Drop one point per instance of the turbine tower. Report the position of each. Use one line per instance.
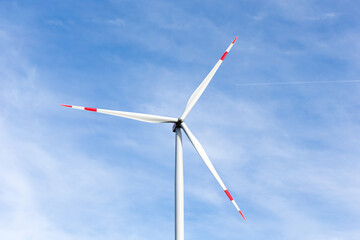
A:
(178, 125)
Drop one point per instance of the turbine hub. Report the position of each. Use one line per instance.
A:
(177, 125)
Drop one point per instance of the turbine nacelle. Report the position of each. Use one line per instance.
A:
(177, 124)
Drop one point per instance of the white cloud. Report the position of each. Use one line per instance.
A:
(289, 158)
(324, 16)
(116, 21)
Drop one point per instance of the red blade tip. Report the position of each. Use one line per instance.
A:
(242, 215)
(235, 39)
(65, 105)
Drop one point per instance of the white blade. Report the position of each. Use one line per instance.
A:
(199, 91)
(208, 163)
(136, 116)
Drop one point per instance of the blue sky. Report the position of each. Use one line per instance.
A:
(289, 154)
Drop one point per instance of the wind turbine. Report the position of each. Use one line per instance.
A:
(179, 123)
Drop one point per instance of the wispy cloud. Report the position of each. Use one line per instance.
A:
(55, 22)
(287, 153)
(324, 16)
(116, 21)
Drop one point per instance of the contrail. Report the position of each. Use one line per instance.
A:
(303, 82)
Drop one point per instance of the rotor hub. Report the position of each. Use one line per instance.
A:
(177, 125)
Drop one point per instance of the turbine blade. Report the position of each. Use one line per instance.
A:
(136, 116)
(208, 163)
(199, 91)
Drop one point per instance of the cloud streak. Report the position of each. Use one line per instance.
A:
(287, 153)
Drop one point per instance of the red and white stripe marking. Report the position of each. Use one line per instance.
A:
(80, 108)
(233, 201)
(228, 49)
(208, 163)
(199, 91)
(136, 116)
